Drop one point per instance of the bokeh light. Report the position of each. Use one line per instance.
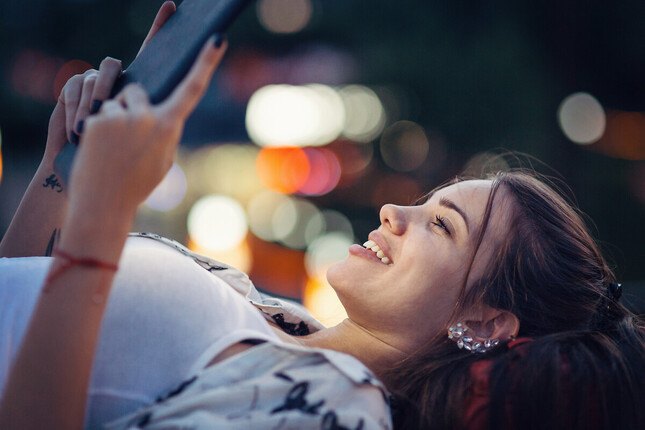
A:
(69, 69)
(483, 163)
(284, 170)
(404, 146)
(277, 269)
(227, 169)
(284, 16)
(33, 73)
(287, 115)
(295, 221)
(336, 222)
(325, 251)
(284, 219)
(170, 192)
(324, 172)
(353, 159)
(624, 136)
(217, 223)
(261, 209)
(323, 303)
(238, 256)
(365, 116)
(582, 118)
(315, 227)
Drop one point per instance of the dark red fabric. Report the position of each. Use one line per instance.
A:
(477, 401)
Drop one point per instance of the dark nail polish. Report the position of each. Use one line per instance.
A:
(79, 126)
(219, 40)
(96, 105)
(74, 138)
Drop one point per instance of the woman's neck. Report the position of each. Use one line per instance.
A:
(353, 339)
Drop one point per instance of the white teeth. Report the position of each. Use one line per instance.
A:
(370, 244)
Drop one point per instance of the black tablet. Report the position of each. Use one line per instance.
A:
(168, 57)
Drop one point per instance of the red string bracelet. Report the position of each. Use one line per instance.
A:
(70, 261)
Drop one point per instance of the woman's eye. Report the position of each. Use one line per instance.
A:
(439, 222)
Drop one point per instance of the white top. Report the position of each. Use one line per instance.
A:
(166, 318)
(272, 386)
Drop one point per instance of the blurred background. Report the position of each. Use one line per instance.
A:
(324, 110)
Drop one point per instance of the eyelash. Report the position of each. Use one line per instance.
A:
(440, 223)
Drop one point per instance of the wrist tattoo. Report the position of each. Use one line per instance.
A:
(52, 241)
(53, 183)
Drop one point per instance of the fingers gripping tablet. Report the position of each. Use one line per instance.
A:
(168, 56)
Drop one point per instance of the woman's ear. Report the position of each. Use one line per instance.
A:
(494, 324)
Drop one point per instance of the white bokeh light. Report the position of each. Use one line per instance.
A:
(404, 146)
(229, 169)
(307, 223)
(170, 192)
(582, 118)
(217, 223)
(287, 115)
(325, 251)
(284, 16)
(261, 209)
(284, 219)
(336, 222)
(365, 116)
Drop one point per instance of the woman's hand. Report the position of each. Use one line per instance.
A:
(84, 93)
(128, 147)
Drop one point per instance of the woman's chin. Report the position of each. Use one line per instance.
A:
(339, 274)
(333, 273)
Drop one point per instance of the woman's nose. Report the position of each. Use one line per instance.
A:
(394, 218)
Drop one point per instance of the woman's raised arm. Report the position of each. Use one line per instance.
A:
(36, 225)
(131, 145)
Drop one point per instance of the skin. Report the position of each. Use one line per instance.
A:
(395, 309)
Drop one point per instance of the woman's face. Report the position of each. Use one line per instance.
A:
(409, 299)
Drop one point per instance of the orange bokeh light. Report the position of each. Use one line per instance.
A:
(624, 136)
(276, 269)
(284, 170)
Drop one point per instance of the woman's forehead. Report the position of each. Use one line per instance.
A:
(472, 197)
(473, 193)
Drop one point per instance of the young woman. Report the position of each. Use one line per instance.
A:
(489, 305)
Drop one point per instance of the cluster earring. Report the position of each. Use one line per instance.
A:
(458, 334)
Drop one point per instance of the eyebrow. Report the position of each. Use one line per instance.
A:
(445, 202)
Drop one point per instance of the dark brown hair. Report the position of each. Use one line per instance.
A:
(585, 367)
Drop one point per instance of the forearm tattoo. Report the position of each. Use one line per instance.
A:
(52, 242)
(53, 183)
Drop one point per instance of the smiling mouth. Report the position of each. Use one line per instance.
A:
(372, 246)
